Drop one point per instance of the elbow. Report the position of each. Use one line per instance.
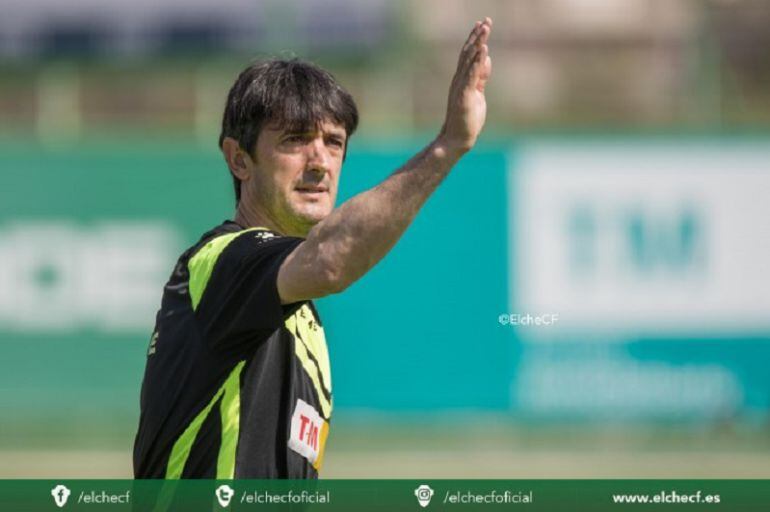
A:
(335, 279)
(337, 274)
(338, 261)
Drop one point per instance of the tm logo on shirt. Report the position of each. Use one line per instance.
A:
(308, 433)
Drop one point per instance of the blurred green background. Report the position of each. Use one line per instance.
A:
(585, 295)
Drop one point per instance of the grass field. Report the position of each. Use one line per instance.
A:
(365, 449)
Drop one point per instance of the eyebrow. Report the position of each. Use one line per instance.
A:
(342, 134)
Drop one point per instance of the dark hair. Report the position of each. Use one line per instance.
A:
(294, 94)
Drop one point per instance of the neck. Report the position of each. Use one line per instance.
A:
(249, 217)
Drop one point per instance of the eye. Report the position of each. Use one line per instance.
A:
(295, 138)
(335, 142)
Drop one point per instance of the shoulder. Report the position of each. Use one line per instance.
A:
(231, 247)
(230, 239)
(235, 247)
(256, 242)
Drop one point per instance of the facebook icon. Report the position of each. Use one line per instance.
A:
(60, 495)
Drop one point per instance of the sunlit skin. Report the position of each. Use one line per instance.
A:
(290, 184)
(354, 237)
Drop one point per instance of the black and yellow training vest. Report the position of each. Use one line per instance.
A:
(236, 384)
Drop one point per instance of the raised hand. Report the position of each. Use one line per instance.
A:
(467, 106)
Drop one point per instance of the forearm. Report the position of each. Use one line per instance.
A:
(354, 237)
(362, 230)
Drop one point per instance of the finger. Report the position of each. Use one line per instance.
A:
(473, 54)
(486, 31)
(478, 61)
(470, 51)
(475, 31)
(479, 70)
(466, 53)
(471, 37)
(482, 69)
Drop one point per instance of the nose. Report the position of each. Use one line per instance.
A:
(318, 158)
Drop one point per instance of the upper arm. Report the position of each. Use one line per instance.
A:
(240, 298)
(307, 273)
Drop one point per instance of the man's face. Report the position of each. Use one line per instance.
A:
(295, 175)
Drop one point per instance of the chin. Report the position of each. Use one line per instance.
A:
(316, 217)
(312, 216)
(314, 212)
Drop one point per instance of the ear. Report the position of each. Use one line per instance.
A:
(237, 159)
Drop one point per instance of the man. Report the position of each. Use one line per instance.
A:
(237, 383)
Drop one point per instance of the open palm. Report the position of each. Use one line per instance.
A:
(467, 105)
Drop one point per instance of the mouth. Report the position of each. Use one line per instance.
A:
(311, 189)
